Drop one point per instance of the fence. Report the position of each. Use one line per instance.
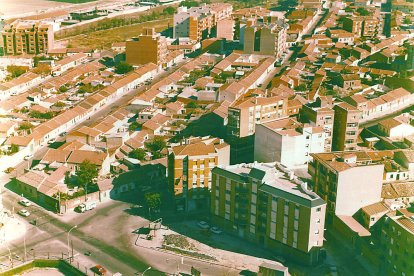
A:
(13, 264)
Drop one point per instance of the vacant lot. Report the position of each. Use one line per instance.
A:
(104, 39)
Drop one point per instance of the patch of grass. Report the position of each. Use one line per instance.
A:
(178, 241)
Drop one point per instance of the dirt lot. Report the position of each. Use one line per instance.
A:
(104, 39)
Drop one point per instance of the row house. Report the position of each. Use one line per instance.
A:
(19, 85)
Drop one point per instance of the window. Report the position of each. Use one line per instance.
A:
(318, 209)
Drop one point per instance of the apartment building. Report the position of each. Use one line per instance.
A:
(347, 181)
(189, 169)
(27, 37)
(288, 142)
(367, 26)
(265, 38)
(197, 23)
(148, 47)
(345, 131)
(269, 206)
(250, 110)
(320, 114)
(397, 240)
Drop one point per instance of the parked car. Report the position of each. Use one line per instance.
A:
(51, 141)
(29, 156)
(203, 225)
(24, 213)
(98, 269)
(63, 134)
(216, 230)
(25, 202)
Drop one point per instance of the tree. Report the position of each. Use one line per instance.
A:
(192, 105)
(14, 148)
(138, 154)
(189, 4)
(362, 12)
(63, 89)
(407, 21)
(153, 200)
(133, 126)
(59, 104)
(25, 126)
(123, 68)
(16, 71)
(86, 173)
(156, 145)
(169, 10)
(42, 69)
(301, 87)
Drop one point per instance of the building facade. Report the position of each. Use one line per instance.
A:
(148, 47)
(288, 142)
(347, 181)
(189, 170)
(27, 37)
(198, 23)
(265, 39)
(345, 131)
(258, 202)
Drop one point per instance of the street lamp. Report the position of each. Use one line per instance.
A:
(68, 238)
(146, 270)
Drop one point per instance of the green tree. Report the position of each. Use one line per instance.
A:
(59, 104)
(156, 145)
(362, 11)
(407, 21)
(123, 68)
(169, 10)
(192, 104)
(86, 173)
(15, 71)
(63, 89)
(153, 200)
(138, 154)
(301, 87)
(133, 126)
(14, 148)
(25, 126)
(189, 4)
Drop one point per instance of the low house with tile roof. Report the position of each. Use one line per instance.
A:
(396, 128)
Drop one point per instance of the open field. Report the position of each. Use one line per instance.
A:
(74, 1)
(105, 38)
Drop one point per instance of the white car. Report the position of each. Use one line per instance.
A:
(29, 156)
(51, 141)
(216, 230)
(25, 202)
(203, 225)
(24, 213)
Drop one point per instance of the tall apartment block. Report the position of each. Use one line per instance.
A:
(346, 123)
(197, 23)
(397, 243)
(347, 181)
(367, 26)
(248, 111)
(265, 38)
(263, 204)
(287, 141)
(150, 46)
(189, 169)
(320, 114)
(27, 37)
